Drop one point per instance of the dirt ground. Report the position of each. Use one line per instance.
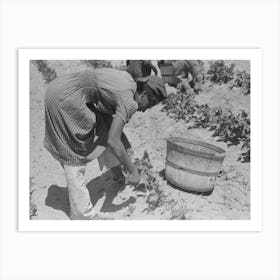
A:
(146, 131)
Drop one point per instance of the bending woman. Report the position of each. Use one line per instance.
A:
(85, 114)
(194, 68)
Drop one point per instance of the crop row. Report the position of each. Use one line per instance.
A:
(226, 126)
(220, 73)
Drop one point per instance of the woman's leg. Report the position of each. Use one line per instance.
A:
(80, 204)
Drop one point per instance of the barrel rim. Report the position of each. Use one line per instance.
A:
(220, 153)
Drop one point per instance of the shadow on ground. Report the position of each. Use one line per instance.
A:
(98, 187)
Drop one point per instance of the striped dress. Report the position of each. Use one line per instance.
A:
(79, 109)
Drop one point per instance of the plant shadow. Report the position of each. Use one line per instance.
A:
(103, 185)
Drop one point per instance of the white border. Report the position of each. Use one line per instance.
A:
(254, 224)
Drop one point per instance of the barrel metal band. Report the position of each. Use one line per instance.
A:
(196, 172)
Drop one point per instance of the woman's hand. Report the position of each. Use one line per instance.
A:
(133, 178)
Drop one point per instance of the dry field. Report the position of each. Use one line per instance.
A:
(154, 198)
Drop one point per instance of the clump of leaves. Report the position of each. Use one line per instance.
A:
(48, 73)
(202, 116)
(149, 183)
(231, 128)
(98, 63)
(242, 79)
(144, 167)
(179, 106)
(245, 155)
(32, 206)
(220, 73)
(179, 211)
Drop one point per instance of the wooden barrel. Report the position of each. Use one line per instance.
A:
(193, 165)
(168, 74)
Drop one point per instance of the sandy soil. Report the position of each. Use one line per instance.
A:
(146, 131)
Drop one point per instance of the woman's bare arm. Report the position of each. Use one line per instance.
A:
(114, 142)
